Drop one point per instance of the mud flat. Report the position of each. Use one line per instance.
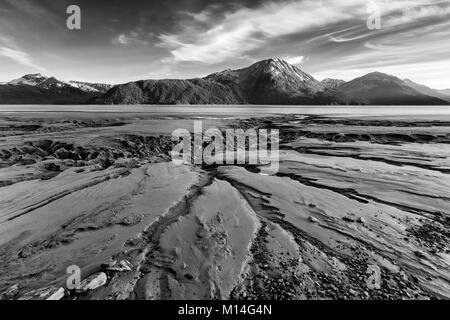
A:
(359, 209)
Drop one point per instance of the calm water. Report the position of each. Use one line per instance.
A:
(225, 110)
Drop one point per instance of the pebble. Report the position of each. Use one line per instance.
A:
(313, 220)
(46, 293)
(58, 295)
(419, 254)
(93, 282)
(118, 266)
(10, 293)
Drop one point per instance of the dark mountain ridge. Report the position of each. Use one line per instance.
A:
(39, 89)
(332, 83)
(428, 91)
(272, 81)
(378, 88)
(192, 91)
(267, 82)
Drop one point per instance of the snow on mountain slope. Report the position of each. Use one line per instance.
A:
(41, 81)
(90, 87)
(30, 80)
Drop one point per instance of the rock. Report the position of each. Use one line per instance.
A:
(361, 220)
(125, 265)
(118, 266)
(132, 242)
(58, 295)
(93, 282)
(132, 220)
(420, 254)
(105, 161)
(62, 153)
(313, 220)
(189, 276)
(127, 163)
(26, 161)
(42, 144)
(10, 293)
(47, 293)
(373, 280)
(51, 166)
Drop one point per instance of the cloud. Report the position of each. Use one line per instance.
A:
(245, 29)
(35, 10)
(235, 33)
(341, 39)
(16, 55)
(412, 14)
(123, 39)
(295, 60)
(20, 57)
(135, 37)
(9, 50)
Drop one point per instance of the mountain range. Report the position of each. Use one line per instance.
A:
(445, 91)
(441, 94)
(39, 89)
(378, 88)
(271, 81)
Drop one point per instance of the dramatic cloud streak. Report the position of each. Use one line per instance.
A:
(179, 39)
(243, 30)
(9, 50)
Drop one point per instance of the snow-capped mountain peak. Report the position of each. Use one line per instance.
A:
(90, 87)
(274, 81)
(39, 80)
(281, 68)
(30, 80)
(42, 81)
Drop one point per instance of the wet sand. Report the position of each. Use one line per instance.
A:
(358, 210)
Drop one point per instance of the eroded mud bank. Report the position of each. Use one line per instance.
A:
(359, 209)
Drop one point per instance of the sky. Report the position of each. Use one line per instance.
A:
(123, 41)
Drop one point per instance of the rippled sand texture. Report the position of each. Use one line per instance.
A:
(358, 210)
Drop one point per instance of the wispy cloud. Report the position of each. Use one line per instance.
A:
(342, 39)
(30, 8)
(295, 60)
(242, 30)
(245, 29)
(9, 50)
(417, 12)
(135, 37)
(125, 40)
